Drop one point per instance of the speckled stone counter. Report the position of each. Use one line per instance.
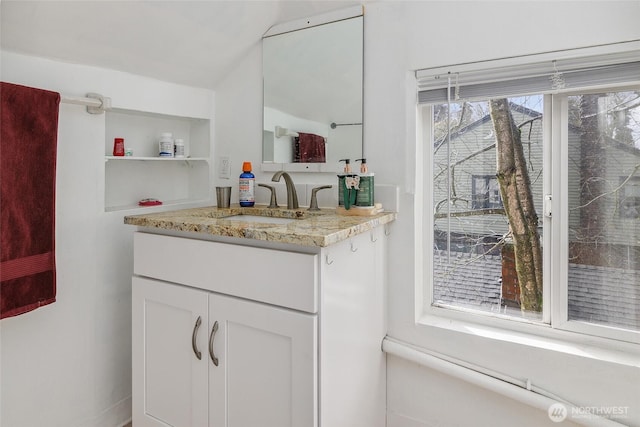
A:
(306, 228)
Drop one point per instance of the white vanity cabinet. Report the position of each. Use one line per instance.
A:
(170, 386)
(265, 358)
(241, 336)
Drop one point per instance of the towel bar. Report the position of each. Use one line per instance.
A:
(96, 103)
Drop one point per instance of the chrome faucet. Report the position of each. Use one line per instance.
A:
(292, 196)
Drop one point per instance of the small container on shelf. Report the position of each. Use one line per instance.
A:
(178, 149)
(165, 145)
(118, 146)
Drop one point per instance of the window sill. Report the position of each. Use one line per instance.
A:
(537, 336)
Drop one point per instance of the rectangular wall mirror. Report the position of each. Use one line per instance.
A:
(313, 95)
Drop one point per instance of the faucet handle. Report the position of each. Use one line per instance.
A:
(313, 205)
(274, 202)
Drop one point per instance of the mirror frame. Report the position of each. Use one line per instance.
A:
(300, 24)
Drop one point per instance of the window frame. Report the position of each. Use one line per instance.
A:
(555, 321)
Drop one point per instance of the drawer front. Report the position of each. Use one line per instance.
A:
(287, 279)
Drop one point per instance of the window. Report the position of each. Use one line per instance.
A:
(604, 249)
(473, 261)
(518, 155)
(629, 203)
(485, 192)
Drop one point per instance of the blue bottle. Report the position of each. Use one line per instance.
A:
(247, 185)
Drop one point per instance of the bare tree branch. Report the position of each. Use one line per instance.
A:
(475, 212)
(454, 199)
(487, 148)
(615, 190)
(493, 247)
(470, 156)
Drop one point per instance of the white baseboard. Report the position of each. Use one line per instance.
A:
(399, 420)
(118, 415)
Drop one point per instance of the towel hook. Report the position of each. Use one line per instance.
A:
(387, 231)
(373, 237)
(326, 258)
(353, 248)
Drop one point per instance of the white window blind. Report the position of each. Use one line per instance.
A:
(516, 76)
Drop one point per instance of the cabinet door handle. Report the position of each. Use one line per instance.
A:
(212, 337)
(193, 338)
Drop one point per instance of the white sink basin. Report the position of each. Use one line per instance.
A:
(258, 218)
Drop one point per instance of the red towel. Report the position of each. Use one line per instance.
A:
(28, 140)
(309, 148)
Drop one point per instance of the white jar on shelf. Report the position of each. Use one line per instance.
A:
(165, 145)
(178, 148)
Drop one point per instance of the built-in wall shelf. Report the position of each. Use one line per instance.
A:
(162, 159)
(176, 181)
(135, 209)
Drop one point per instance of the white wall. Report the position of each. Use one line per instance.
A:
(69, 363)
(401, 37)
(438, 34)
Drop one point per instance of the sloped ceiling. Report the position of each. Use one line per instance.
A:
(196, 43)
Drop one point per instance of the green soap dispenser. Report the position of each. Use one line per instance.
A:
(341, 180)
(366, 196)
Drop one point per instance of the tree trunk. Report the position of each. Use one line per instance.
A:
(592, 183)
(515, 189)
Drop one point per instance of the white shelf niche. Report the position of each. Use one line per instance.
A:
(174, 181)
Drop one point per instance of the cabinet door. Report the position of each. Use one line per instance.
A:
(169, 381)
(267, 365)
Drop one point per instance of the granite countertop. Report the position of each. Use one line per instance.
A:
(321, 228)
